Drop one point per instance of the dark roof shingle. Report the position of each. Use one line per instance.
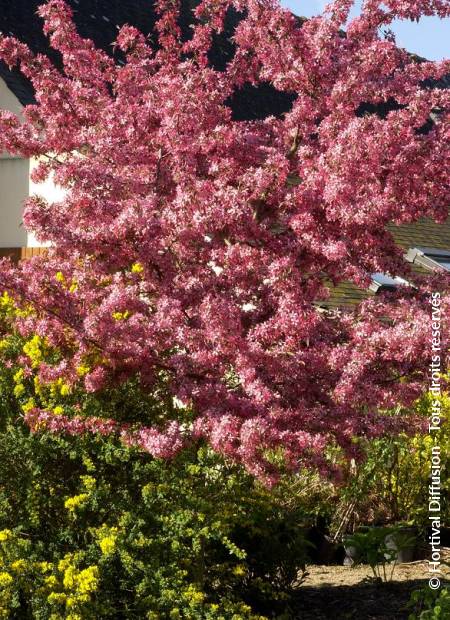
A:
(99, 20)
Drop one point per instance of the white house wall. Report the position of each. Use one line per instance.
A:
(8, 100)
(14, 183)
(16, 186)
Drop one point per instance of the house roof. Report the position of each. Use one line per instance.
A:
(100, 20)
(425, 232)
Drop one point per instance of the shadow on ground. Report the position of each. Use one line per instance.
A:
(362, 601)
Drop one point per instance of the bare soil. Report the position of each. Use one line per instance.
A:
(348, 593)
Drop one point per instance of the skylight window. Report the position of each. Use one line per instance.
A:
(383, 282)
(431, 258)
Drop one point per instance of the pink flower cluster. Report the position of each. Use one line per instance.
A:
(45, 420)
(159, 444)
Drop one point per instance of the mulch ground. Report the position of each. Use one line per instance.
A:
(344, 593)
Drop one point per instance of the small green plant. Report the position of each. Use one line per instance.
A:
(378, 547)
(428, 604)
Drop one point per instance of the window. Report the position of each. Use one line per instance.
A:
(383, 282)
(431, 258)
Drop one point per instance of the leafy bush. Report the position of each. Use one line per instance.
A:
(390, 483)
(100, 530)
(428, 604)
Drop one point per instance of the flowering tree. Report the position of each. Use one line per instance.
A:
(193, 249)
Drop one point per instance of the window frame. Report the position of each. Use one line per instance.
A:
(379, 286)
(425, 257)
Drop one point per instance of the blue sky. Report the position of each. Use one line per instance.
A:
(429, 38)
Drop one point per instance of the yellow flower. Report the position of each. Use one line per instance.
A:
(30, 404)
(137, 268)
(82, 598)
(87, 580)
(37, 386)
(45, 566)
(239, 570)
(58, 410)
(19, 566)
(107, 539)
(108, 545)
(65, 389)
(72, 503)
(71, 602)
(51, 581)
(88, 463)
(69, 577)
(59, 387)
(18, 376)
(33, 349)
(82, 370)
(6, 300)
(194, 596)
(5, 580)
(56, 597)
(5, 535)
(19, 390)
(65, 562)
(89, 482)
(121, 316)
(59, 277)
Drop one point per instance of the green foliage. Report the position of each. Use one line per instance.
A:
(428, 604)
(390, 483)
(195, 535)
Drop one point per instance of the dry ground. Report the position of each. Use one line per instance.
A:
(343, 592)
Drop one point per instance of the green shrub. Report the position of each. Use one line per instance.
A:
(428, 604)
(195, 535)
(378, 547)
(390, 483)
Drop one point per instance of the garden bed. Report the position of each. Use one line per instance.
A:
(344, 593)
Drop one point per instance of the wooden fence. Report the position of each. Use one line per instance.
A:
(21, 253)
